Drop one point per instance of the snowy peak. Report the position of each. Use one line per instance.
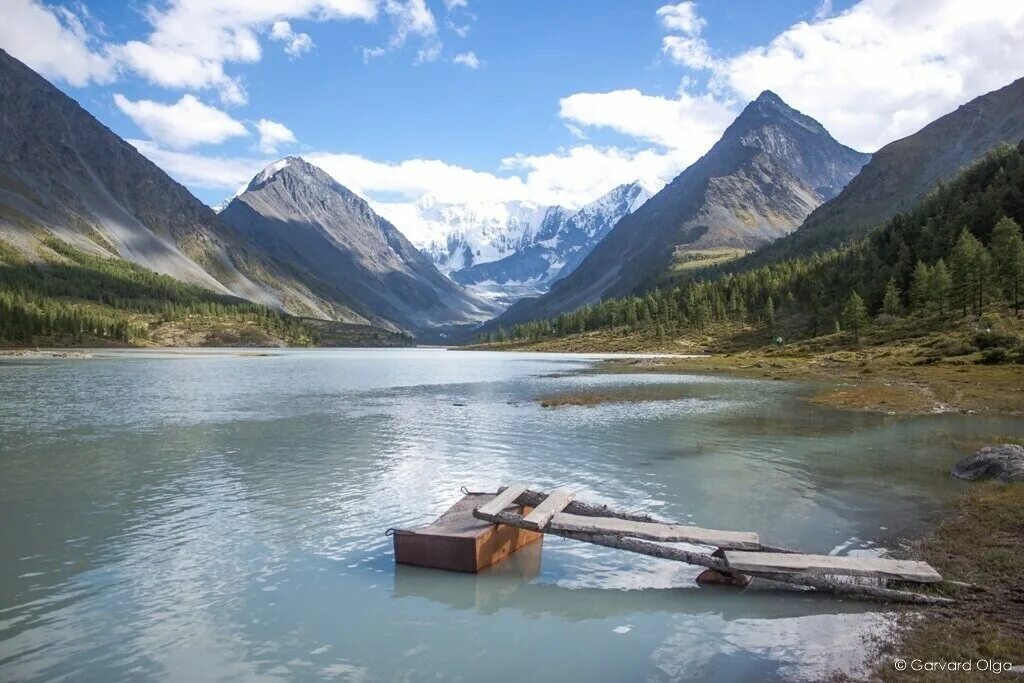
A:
(561, 240)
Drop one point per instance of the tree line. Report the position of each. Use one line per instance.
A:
(76, 295)
(960, 251)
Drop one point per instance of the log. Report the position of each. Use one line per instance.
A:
(855, 589)
(653, 531)
(613, 541)
(533, 498)
(548, 508)
(875, 567)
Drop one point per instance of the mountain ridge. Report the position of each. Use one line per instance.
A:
(300, 214)
(903, 172)
(772, 166)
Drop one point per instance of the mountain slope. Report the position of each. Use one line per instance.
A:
(903, 172)
(769, 170)
(63, 173)
(555, 249)
(300, 215)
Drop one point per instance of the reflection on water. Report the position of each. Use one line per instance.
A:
(218, 516)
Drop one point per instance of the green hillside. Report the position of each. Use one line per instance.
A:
(958, 254)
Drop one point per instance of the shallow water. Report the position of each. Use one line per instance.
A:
(215, 515)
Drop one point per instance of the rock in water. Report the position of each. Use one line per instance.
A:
(1002, 463)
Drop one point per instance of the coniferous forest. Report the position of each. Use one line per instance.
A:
(959, 253)
(74, 297)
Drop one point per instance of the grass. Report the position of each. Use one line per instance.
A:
(903, 366)
(687, 261)
(634, 394)
(979, 543)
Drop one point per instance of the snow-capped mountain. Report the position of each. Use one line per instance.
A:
(521, 252)
(463, 235)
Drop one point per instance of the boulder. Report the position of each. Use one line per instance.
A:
(1002, 463)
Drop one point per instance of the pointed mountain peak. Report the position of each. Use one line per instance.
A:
(272, 169)
(768, 97)
(769, 108)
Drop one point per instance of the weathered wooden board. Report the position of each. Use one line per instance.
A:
(458, 541)
(780, 563)
(653, 531)
(503, 499)
(548, 508)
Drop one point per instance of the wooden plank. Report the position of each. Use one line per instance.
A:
(548, 508)
(503, 499)
(653, 531)
(779, 563)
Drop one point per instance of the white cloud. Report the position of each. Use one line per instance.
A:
(455, 4)
(682, 18)
(468, 60)
(884, 68)
(198, 170)
(689, 124)
(684, 44)
(54, 43)
(186, 123)
(273, 135)
(295, 44)
(412, 17)
(688, 51)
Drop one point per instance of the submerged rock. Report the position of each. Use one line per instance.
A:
(1003, 463)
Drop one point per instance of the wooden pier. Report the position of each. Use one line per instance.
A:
(735, 558)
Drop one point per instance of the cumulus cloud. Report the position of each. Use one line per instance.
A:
(198, 170)
(883, 68)
(273, 135)
(468, 60)
(682, 18)
(295, 44)
(687, 123)
(186, 123)
(684, 45)
(55, 43)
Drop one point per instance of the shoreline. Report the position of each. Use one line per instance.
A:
(979, 541)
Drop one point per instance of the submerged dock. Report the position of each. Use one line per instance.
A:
(490, 526)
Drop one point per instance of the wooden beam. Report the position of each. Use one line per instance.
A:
(719, 564)
(655, 531)
(578, 507)
(779, 563)
(502, 500)
(542, 514)
(820, 583)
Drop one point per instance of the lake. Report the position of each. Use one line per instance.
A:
(220, 515)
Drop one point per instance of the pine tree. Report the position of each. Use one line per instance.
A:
(940, 286)
(965, 263)
(769, 313)
(855, 315)
(920, 285)
(891, 300)
(1008, 254)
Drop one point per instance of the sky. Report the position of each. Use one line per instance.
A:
(462, 101)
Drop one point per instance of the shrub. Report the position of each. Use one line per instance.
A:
(993, 339)
(994, 356)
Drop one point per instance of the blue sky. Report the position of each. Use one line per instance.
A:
(497, 100)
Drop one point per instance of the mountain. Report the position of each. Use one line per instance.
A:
(468, 234)
(903, 172)
(64, 174)
(770, 169)
(559, 244)
(300, 215)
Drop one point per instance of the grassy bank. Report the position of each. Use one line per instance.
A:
(903, 366)
(980, 542)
